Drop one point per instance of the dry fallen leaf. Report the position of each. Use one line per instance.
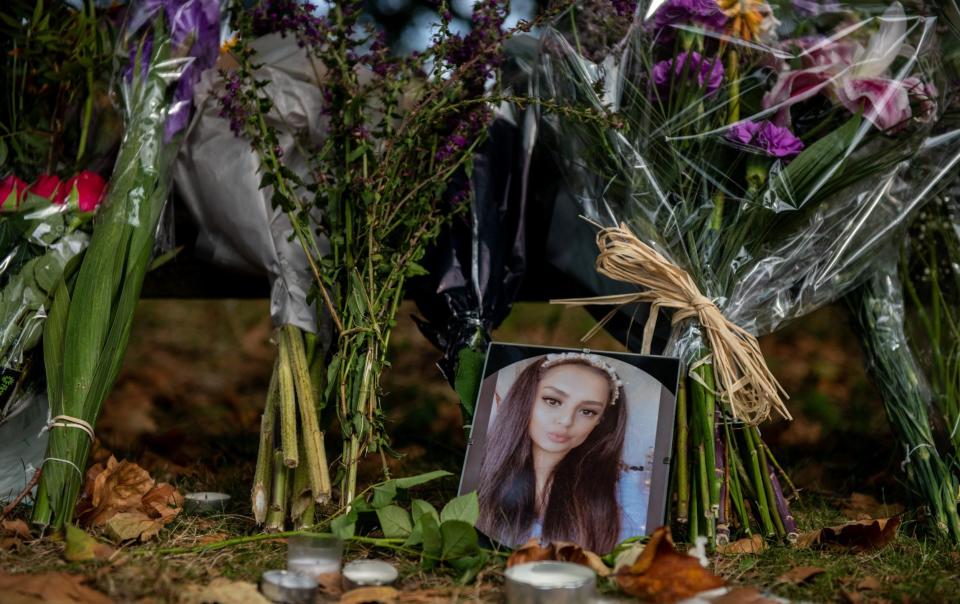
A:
(123, 497)
(132, 525)
(869, 584)
(852, 597)
(561, 551)
(373, 595)
(80, 546)
(662, 574)
(48, 588)
(223, 591)
(858, 536)
(16, 528)
(800, 574)
(747, 545)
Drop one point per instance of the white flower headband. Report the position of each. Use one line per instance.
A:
(560, 358)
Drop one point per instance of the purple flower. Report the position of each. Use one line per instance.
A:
(709, 74)
(766, 136)
(743, 132)
(699, 12)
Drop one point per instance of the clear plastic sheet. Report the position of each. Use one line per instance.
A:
(218, 177)
(766, 158)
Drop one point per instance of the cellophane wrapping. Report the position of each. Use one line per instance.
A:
(761, 147)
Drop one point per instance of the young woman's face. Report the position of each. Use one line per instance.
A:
(568, 405)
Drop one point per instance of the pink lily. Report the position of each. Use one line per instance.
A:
(856, 77)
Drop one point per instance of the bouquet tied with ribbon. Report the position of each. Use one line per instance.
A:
(752, 164)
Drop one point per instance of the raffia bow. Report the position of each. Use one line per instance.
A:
(743, 379)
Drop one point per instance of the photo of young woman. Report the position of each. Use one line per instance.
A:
(565, 454)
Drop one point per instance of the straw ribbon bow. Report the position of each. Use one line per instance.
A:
(743, 379)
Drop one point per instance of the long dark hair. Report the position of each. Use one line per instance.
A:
(581, 504)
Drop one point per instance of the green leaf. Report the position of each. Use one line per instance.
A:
(395, 522)
(345, 526)
(469, 566)
(432, 542)
(459, 539)
(469, 376)
(384, 494)
(412, 481)
(465, 508)
(419, 507)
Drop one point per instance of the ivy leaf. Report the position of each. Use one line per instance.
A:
(345, 526)
(395, 522)
(459, 539)
(465, 508)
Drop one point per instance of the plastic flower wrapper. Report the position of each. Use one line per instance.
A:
(477, 265)
(170, 42)
(750, 171)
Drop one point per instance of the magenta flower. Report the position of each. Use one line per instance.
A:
(89, 188)
(709, 74)
(767, 137)
(883, 102)
(678, 12)
(49, 187)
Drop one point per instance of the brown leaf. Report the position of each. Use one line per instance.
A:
(80, 546)
(561, 551)
(114, 488)
(865, 507)
(800, 574)
(223, 591)
(378, 595)
(852, 597)
(662, 574)
(747, 545)
(132, 525)
(858, 536)
(869, 584)
(163, 502)
(11, 544)
(50, 588)
(16, 528)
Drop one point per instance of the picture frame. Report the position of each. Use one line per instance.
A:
(552, 457)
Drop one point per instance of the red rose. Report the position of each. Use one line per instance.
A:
(49, 187)
(89, 187)
(12, 188)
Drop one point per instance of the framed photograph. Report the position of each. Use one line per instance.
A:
(571, 445)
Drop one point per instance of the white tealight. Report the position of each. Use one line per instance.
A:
(205, 502)
(363, 573)
(315, 567)
(550, 582)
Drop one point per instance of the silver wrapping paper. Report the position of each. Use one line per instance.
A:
(217, 175)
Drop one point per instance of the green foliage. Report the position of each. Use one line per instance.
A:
(448, 538)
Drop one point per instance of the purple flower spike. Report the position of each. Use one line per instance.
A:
(709, 73)
(678, 12)
(766, 136)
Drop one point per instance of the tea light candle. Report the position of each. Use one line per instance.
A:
(318, 557)
(205, 502)
(288, 587)
(364, 573)
(550, 582)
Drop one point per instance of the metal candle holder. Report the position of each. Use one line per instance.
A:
(288, 587)
(548, 582)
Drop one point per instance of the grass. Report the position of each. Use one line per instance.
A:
(201, 386)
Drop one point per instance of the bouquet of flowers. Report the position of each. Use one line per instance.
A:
(170, 43)
(752, 167)
(40, 234)
(397, 129)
